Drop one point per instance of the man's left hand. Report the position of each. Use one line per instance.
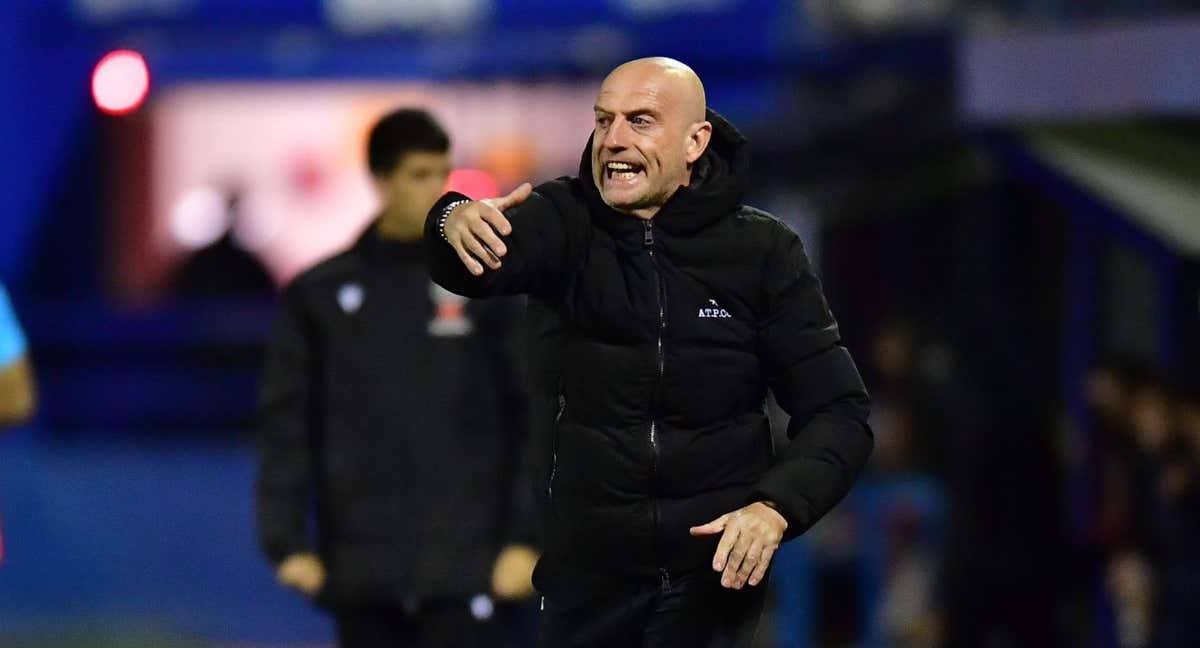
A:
(751, 536)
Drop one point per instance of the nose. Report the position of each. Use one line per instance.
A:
(615, 138)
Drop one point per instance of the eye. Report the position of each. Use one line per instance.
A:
(602, 121)
(640, 120)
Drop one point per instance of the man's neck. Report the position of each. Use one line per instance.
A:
(645, 213)
(649, 212)
(392, 227)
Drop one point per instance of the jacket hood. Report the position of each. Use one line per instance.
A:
(719, 180)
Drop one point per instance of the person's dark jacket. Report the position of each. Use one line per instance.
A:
(395, 415)
(672, 330)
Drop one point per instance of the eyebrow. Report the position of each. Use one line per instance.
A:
(633, 113)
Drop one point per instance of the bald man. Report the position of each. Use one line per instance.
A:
(674, 307)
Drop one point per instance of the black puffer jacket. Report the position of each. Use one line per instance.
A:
(672, 330)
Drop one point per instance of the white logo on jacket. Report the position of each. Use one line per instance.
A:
(350, 297)
(450, 313)
(716, 311)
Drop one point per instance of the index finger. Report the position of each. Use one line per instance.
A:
(496, 219)
(727, 540)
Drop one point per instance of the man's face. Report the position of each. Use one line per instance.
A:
(417, 181)
(642, 145)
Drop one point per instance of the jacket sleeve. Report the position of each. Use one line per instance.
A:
(814, 379)
(285, 430)
(537, 257)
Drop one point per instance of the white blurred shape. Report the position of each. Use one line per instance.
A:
(482, 607)
(378, 15)
(350, 297)
(107, 10)
(875, 14)
(659, 7)
(199, 218)
(256, 227)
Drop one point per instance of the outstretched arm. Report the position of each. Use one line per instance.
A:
(510, 245)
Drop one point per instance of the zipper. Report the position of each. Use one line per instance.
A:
(562, 406)
(648, 243)
(666, 579)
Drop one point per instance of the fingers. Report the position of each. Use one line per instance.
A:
(484, 233)
(496, 219)
(750, 561)
(716, 526)
(747, 546)
(760, 571)
(722, 557)
(470, 250)
(514, 197)
(472, 231)
(468, 261)
(480, 251)
(734, 570)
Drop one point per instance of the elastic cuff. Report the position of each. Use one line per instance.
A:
(441, 221)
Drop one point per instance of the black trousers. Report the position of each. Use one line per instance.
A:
(691, 611)
(434, 624)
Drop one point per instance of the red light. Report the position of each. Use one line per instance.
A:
(120, 82)
(472, 182)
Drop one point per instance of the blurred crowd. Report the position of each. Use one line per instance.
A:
(882, 567)
(1146, 520)
(915, 415)
(1139, 462)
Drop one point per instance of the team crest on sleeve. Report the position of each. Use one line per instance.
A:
(450, 317)
(713, 310)
(350, 297)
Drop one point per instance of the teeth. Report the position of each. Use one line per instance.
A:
(620, 166)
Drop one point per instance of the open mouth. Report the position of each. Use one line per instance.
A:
(622, 171)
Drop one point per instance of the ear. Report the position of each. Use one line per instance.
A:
(697, 140)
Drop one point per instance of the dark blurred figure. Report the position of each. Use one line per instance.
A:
(1147, 523)
(912, 613)
(1179, 584)
(420, 517)
(1168, 494)
(916, 417)
(988, 587)
(1106, 391)
(917, 375)
(224, 268)
(1134, 463)
(17, 393)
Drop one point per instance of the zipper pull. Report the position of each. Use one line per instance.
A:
(648, 237)
(666, 579)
